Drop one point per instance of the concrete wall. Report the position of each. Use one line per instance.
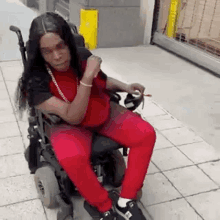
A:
(119, 21)
(146, 16)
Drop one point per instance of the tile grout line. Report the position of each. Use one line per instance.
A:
(9, 136)
(197, 165)
(164, 148)
(8, 155)
(159, 203)
(193, 208)
(8, 61)
(211, 190)
(172, 200)
(14, 203)
(45, 213)
(182, 195)
(24, 174)
(177, 168)
(165, 137)
(145, 209)
(156, 166)
(208, 176)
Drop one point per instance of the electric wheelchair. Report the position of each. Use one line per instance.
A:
(53, 185)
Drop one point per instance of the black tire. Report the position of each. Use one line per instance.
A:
(115, 169)
(47, 186)
(26, 154)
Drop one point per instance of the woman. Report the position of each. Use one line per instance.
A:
(63, 80)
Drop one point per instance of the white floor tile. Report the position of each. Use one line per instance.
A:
(190, 180)
(5, 107)
(2, 85)
(9, 129)
(158, 189)
(17, 189)
(12, 73)
(206, 204)
(12, 145)
(175, 210)
(23, 211)
(7, 117)
(4, 95)
(200, 152)
(163, 122)
(212, 169)
(179, 136)
(152, 110)
(170, 158)
(161, 142)
(13, 165)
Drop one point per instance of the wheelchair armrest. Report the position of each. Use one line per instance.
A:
(115, 97)
(54, 119)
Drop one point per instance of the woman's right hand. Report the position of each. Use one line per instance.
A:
(93, 66)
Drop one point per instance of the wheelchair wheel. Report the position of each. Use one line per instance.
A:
(115, 169)
(47, 186)
(26, 154)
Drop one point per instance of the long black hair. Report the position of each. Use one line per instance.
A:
(47, 22)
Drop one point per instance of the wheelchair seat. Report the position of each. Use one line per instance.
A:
(100, 143)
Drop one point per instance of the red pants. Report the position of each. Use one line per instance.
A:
(72, 145)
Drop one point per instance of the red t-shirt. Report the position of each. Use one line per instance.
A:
(98, 107)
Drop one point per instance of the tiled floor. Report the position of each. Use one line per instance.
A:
(182, 181)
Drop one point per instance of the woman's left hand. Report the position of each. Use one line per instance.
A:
(135, 86)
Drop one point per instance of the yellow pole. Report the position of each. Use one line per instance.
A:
(173, 16)
(89, 27)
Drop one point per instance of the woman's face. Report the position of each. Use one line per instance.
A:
(55, 51)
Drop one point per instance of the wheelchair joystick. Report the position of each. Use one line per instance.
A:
(131, 102)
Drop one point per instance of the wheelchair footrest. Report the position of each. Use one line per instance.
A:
(93, 212)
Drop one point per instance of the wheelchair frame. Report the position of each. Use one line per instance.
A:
(37, 119)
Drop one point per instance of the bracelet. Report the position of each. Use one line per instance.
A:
(85, 84)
